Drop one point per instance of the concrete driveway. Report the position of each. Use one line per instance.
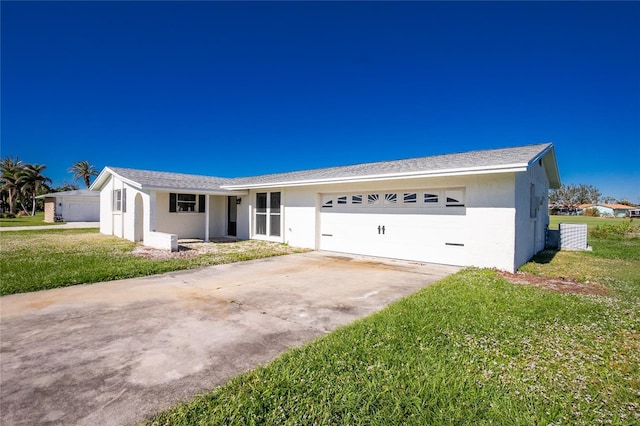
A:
(115, 353)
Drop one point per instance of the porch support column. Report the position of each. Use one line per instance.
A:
(206, 216)
(151, 211)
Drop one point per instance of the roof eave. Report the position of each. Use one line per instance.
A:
(394, 176)
(103, 177)
(194, 190)
(548, 157)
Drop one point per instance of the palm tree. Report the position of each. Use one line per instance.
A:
(83, 170)
(9, 175)
(32, 180)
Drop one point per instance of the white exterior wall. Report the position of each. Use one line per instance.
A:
(121, 223)
(128, 214)
(490, 231)
(243, 218)
(531, 231)
(106, 221)
(486, 227)
(184, 224)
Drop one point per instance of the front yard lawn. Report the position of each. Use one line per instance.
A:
(37, 220)
(43, 259)
(472, 349)
(591, 222)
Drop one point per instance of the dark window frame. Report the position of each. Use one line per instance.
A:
(198, 202)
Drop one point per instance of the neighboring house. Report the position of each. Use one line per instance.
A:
(608, 210)
(483, 208)
(81, 205)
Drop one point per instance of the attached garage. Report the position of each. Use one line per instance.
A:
(480, 208)
(422, 224)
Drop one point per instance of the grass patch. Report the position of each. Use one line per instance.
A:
(591, 222)
(470, 349)
(44, 259)
(37, 220)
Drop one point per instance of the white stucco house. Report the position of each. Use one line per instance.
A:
(80, 205)
(482, 208)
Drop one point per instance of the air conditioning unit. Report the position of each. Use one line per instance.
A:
(573, 236)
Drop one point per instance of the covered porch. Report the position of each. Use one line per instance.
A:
(174, 216)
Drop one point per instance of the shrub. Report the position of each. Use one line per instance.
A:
(22, 213)
(10, 216)
(618, 230)
(1, 215)
(592, 212)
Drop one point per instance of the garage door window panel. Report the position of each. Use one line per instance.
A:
(327, 202)
(424, 201)
(431, 198)
(391, 198)
(410, 198)
(454, 197)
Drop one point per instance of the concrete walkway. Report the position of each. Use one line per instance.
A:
(68, 225)
(116, 353)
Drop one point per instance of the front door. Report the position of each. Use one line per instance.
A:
(232, 214)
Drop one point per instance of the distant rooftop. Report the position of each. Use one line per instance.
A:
(74, 193)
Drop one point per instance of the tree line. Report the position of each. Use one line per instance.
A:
(570, 197)
(21, 183)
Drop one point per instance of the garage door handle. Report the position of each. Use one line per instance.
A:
(379, 229)
(382, 229)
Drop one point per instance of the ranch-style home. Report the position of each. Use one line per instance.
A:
(482, 208)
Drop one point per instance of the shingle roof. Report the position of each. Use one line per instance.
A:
(484, 161)
(466, 161)
(73, 193)
(168, 180)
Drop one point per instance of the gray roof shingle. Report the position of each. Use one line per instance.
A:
(484, 160)
(151, 179)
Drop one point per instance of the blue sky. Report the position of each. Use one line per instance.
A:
(237, 89)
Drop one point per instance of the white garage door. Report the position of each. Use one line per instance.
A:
(81, 211)
(425, 225)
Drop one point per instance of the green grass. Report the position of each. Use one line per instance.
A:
(472, 349)
(44, 259)
(590, 221)
(37, 220)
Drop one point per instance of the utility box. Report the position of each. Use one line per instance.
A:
(573, 236)
(553, 239)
